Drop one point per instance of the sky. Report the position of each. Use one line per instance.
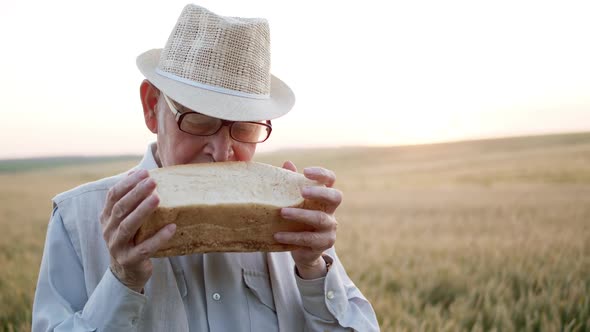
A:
(368, 72)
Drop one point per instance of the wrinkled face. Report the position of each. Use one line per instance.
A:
(176, 147)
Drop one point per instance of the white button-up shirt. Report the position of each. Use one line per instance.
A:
(257, 291)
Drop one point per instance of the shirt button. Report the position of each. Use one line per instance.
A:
(330, 295)
(216, 296)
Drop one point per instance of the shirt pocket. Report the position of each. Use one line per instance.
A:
(261, 306)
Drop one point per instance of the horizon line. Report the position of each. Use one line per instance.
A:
(309, 148)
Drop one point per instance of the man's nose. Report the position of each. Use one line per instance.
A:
(222, 145)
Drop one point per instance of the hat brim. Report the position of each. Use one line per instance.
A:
(217, 104)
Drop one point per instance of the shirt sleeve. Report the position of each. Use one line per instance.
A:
(61, 302)
(334, 303)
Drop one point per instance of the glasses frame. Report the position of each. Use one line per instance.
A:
(179, 116)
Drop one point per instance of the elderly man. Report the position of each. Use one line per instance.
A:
(209, 97)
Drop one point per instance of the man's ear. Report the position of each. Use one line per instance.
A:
(149, 98)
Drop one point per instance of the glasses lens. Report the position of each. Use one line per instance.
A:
(199, 124)
(250, 132)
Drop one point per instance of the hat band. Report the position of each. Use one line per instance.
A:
(212, 87)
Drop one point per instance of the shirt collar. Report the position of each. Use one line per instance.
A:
(148, 162)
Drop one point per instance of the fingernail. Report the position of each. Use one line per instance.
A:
(313, 172)
(150, 183)
(154, 198)
(279, 237)
(305, 191)
(171, 228)
(286, 212)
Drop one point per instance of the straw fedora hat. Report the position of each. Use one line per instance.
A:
(218, 66)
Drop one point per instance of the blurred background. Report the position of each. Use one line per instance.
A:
(459, 131)
(369, 73)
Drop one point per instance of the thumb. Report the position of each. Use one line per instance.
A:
(290, 166)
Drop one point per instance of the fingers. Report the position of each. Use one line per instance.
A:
(322, 175)
(316, 241)
(147, 248)
(317, 219)
(128, 203)
(330, 197)
(129, 226)
(290, 166)
(313, 243)
(121, 189)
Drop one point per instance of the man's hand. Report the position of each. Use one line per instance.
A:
(128, 204)
(308, 258)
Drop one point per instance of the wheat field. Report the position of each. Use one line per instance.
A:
(490, 235)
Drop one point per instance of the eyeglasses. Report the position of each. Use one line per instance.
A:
(203, 125)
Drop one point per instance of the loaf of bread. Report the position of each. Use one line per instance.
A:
(225, 207)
